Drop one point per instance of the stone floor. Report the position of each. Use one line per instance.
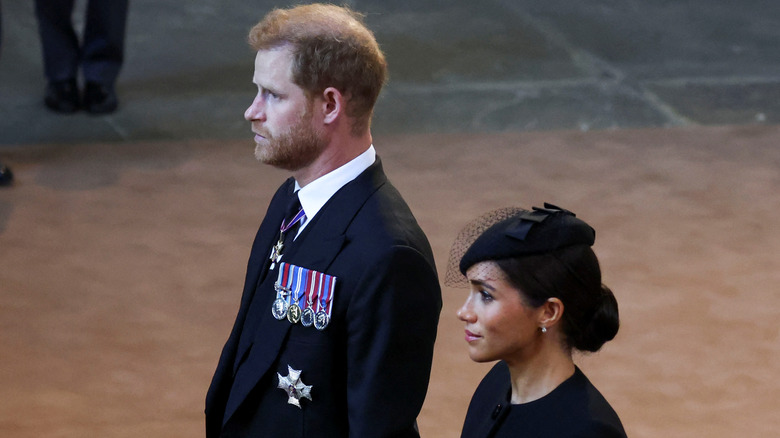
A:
(122, 268)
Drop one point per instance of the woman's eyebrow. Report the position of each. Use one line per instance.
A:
(481, 283)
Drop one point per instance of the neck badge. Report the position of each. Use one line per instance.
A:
(276, 250)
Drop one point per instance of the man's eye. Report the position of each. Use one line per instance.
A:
(267, 94)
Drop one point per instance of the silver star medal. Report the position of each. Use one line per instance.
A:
(294, 387)
(276, 252)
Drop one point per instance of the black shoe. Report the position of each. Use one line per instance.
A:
(62, 96)
(6, 177)
(100, 98)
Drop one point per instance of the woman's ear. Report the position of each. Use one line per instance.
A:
(332, 104)
(551, 312)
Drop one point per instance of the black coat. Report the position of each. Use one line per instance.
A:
(369, 368)
(575, 409)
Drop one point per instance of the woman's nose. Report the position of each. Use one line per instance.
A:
(464, 313)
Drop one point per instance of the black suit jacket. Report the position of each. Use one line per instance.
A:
(369, 368)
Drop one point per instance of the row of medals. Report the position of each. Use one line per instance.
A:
(281, 309)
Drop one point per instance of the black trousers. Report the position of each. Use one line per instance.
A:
(101, 52)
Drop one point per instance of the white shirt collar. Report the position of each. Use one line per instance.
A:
(319, 191)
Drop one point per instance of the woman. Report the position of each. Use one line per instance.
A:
(535, 296)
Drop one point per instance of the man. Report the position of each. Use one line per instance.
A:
(99, 56)
(335, 331)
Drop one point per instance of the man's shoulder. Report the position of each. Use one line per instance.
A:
(376, 215)
(387, 212)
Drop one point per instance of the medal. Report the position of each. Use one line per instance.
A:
(294, 310)
(294, 387)
(312, 292)
(307, 317)
(294, 313)
(325, 303)
(303, 295)
(281, 303)
(279, 308)
(321, 320)
(276, 251)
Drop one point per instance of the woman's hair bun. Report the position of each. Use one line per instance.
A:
(603, 325)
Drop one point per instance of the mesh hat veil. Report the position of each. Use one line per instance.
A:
(514, 232)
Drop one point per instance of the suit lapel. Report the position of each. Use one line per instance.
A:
(257, 270)
(268, 237)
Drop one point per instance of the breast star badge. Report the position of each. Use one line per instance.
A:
(294, 387)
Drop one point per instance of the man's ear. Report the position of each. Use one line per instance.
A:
(333, 105)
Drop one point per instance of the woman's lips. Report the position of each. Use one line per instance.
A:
(471, 336)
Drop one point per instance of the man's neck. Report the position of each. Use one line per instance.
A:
(335, 155)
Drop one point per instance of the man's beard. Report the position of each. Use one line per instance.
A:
(294, 149)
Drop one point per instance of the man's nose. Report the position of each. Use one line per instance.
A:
(255, 111)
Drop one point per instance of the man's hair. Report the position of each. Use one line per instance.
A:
(331, 47)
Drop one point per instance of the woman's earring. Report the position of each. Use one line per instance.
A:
(544, 329)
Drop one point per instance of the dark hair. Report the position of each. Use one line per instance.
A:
(572, 274)
(331, 47)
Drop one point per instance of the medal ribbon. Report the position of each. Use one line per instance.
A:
(297, 279)
(284, 282)
(312, 292)
(326, 295)
(332, 284)
(298, 216)
(305, 287)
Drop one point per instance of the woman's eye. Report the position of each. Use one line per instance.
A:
(485, 296)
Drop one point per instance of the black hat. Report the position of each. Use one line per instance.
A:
(538, 231)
